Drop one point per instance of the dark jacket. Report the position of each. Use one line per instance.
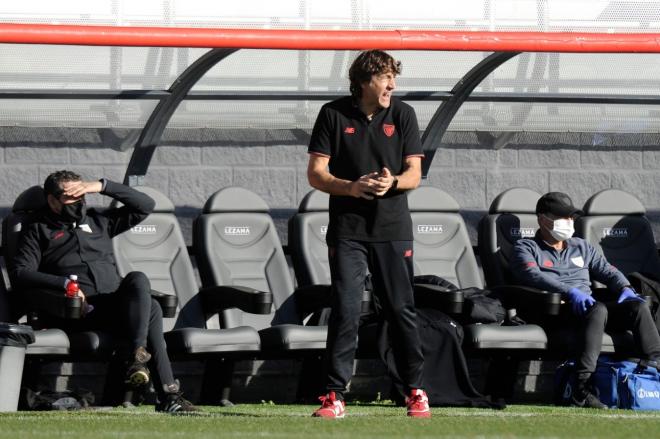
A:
(537, 264)
(50, 250)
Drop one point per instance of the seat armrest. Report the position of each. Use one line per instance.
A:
(532, 299)
(435, 296)
(167, 302)
(54, 303)
(366, 301)
(221, 297)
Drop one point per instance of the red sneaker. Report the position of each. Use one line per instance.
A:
(418, 404)
(331, 407)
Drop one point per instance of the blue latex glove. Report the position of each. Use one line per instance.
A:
(629, 294)
(580, 301)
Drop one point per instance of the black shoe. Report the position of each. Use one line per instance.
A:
(175, 403)
(589, 400)
(137, 373)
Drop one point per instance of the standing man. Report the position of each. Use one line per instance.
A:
(365, 151)
(68, 239)
(554, 261)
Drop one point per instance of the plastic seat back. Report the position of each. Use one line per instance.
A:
(441, 242)
(48, 341)
(26, 205)
(236, 243)
(156, 247)
(614, 221)
(307, 230)
(5, 314)
(511, 216)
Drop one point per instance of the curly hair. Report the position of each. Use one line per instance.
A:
(367, 64)
(53, 183)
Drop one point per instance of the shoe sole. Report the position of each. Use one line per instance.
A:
(585, 406)
(185, 413)
(419, 415)
(138, 378)
(314, 415)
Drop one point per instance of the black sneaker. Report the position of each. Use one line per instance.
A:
(589, 401)
(137, 373)
(175, 403)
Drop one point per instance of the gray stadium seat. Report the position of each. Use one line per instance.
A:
(48, 342)
(442, 244)
(614, 221)
(443, 248)
(307, 230)
(511, 216)
(156, 247)
(236, 244)
(309, 254)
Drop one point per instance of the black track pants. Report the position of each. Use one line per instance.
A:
(612, 316)
(391, 267)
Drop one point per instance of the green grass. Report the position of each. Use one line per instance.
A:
(363, 421)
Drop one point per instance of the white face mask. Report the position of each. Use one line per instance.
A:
(562, 228)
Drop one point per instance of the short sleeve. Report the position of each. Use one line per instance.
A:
(320, 141)
(412, 143)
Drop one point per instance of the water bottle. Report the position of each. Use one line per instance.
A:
(72, 287)
(72, 290)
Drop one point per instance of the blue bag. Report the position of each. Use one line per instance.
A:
(605, 380)
(627, 384)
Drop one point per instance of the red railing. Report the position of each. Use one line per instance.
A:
(330, 39)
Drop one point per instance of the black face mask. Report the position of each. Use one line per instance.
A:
(74, 212)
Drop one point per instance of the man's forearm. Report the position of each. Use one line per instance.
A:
(37, 279)
(538, 280)
(408, 180)
(411, 176)
(326, 182)
(130, 197)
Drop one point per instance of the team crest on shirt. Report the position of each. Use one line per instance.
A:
(578, 261)
(388, 129)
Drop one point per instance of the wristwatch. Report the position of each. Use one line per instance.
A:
(395, 183)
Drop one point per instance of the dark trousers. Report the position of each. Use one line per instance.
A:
(131, 314)
(611, 316)
(391, 268)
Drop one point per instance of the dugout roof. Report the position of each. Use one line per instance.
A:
(154, 88)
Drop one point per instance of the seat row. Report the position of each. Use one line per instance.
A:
(614, 222)
(247, 306)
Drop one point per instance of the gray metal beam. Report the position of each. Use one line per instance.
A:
(447, 110)
(153, 130)
(411, 96)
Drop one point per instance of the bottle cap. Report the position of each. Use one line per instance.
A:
(73, 277)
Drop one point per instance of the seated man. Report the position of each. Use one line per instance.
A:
(554, 261)
(68, 239)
